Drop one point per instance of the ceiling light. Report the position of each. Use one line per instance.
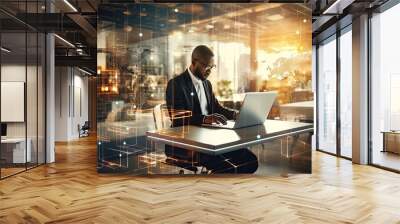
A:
(70, 5)
(64, 40)
(338, 6)
(275, 17)
(86, 72)
(5, 50)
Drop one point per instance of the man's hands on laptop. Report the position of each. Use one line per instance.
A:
(215, 119)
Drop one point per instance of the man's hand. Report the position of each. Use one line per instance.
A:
(235, 115)
(215, 118)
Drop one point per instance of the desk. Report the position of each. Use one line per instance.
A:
(216, 141)
(296, 111)
(13, 150)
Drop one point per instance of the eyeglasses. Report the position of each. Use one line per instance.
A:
(206, 66)
(209, 67)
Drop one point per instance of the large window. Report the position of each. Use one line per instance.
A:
(385, 89)
(327, 96)
(346, 93)
(334, 59)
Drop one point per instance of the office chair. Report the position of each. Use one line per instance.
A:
(162, 120)
(84, 130)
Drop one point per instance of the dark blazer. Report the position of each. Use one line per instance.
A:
(181, 95)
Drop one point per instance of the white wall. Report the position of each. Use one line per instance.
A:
(14, 73)
(71, 94)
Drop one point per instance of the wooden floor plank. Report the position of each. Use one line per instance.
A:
(71, 191)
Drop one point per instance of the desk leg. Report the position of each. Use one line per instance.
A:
(284, 163)
(150, 156)
(296, 154)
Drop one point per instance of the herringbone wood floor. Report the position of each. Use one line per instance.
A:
(70, 191)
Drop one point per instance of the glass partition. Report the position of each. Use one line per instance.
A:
(22, 90)
(13, 94)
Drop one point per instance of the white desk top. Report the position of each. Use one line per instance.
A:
(305, 104)
(217, 140)
(13, 140)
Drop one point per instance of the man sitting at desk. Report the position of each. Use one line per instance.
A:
(192, 91)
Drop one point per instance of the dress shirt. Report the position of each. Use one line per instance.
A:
(198, 85)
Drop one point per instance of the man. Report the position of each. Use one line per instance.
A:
(193, 92)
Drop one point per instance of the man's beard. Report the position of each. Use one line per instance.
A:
(199, 75)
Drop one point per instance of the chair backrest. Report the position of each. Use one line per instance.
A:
(161, 117)
(86, 125)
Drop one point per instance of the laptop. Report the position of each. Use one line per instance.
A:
(254, 110)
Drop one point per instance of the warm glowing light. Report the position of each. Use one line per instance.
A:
(127, 13)
(178, 35)
(140, 34)
(128, 28)
(304, 20)
(297, 32)
(176, 10)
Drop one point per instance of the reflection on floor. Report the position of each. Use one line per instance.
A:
(387, 159)
(11, 169)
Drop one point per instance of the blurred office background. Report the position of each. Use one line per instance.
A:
(257, 47)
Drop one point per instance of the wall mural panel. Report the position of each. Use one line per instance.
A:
(165, 70)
